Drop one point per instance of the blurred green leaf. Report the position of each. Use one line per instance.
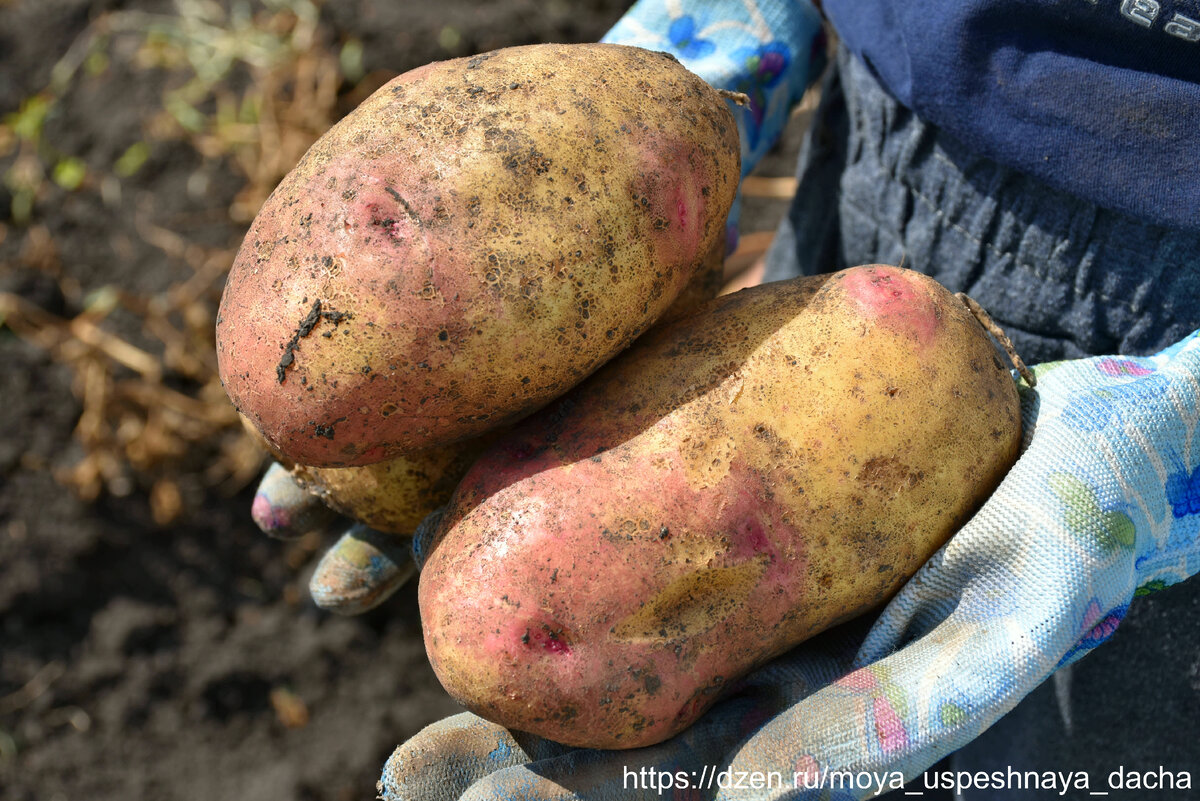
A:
(248, 113)
(8, 744)
(351, 60)
(96, 63)
(185, 114)
(22, 206)
(28, 121)
(69, 173)
(102, 301)
(449, 38)
(132, 159)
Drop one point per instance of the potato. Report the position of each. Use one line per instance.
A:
(705, 285)
(395, 495)
(469, 243)
(737, 481)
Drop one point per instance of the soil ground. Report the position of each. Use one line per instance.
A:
(153, 644)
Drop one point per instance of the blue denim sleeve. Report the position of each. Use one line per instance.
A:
(769, 50)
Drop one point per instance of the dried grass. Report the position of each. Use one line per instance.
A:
(146, 411)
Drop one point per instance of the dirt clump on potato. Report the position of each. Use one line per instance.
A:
(473, 240)
(778, 462)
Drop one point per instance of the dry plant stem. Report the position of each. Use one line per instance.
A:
(33, 689)
(996, 331)
(739, 98)
(49, 331)
(132, 422)
(137, 420)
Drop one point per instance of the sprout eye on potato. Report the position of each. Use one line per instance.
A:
(737, 481)
(473, 240)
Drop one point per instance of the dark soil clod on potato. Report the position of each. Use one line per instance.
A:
(314, 316)
(289, 350)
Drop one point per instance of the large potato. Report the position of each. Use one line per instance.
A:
(469, 243)
(734, 483)
(396, 494)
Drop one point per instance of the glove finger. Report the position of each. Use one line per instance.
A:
(361, 571)
(692, 764)
(444, 759)
(283, 509)
(466, 757)
(686, 766)
(584, 774)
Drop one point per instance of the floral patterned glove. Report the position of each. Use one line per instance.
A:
(769, 50)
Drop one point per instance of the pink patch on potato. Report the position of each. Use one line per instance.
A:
(751, 540)
(676, 198)
(547, 637)
(896, 298)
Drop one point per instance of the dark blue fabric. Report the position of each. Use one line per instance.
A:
(1100, 98)
(1065, 277)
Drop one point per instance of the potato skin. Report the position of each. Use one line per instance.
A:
(396, 494)
(469, 243)
(392, 496)
(736, 482)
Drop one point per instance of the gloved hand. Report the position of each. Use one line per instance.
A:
(362, 569)
(1103, 504)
